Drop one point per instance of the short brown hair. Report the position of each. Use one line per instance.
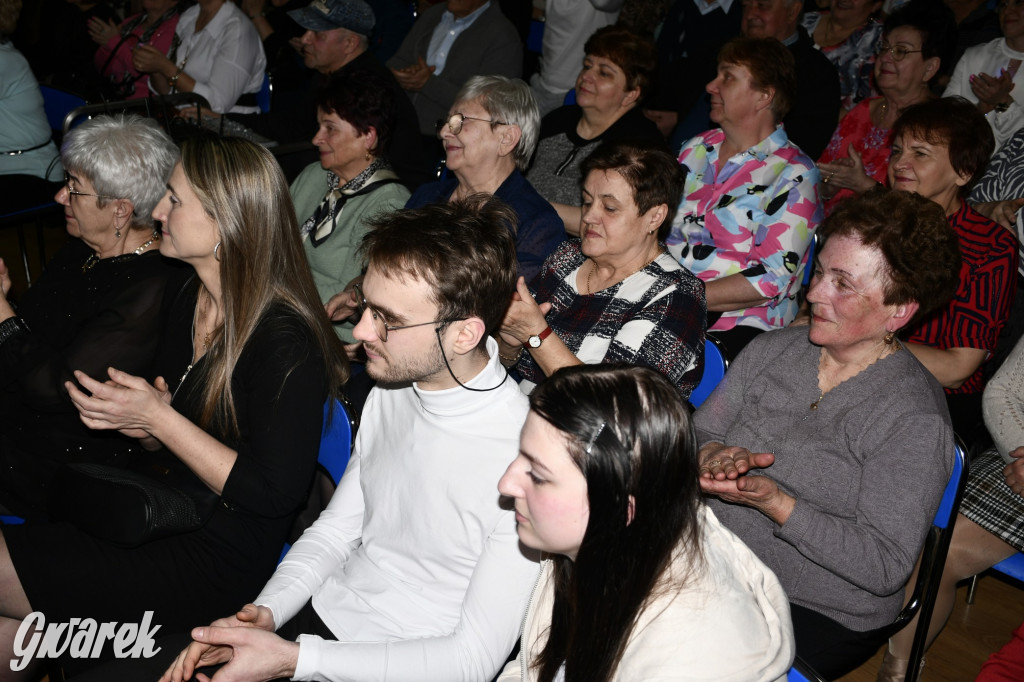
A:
(920, 249)
(633, 53)
(650, 171)
(464, 250)
(957, 124)
(771, 67)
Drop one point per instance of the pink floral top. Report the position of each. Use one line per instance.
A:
(755, 216)
(871, 142)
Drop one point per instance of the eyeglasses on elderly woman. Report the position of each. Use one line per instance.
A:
(456, 121)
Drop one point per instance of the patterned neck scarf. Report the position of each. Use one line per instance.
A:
(321, 224)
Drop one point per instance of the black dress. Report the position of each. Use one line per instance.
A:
(279, 386)
(109, 315)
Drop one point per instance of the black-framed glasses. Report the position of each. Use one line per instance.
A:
(379, 325)
(1007, 4)
(72, 192)
(898, 52)
(455, 122)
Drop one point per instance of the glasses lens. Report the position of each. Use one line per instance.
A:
(899, 52)
(380, 326)
(455, 123)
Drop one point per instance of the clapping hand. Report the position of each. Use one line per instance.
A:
(148, 59)
(992, 90)
(723, 473)
(125, 403)
(846, 173)
(102, 31)
(524, 317)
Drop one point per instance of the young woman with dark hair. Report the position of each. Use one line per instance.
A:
(643, 581)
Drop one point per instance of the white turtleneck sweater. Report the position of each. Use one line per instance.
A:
(413, 565)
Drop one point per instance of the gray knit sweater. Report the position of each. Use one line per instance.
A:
(867, 469)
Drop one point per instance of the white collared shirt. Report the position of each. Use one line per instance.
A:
(445, 33)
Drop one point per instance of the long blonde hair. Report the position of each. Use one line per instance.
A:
(241, 187)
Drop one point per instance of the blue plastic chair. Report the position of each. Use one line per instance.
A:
(335, 446)
(535, 38)
(59, 105)
(265, 95)
(715, 364)
(1012, 566)
(811, 252)
(801, 672)
(336, 441)
(933, 558)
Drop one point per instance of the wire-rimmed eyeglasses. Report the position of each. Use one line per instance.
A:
(455, 122)
(379, 325)
(72, 192)
(898, 52)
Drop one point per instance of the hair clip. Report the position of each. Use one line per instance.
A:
(590, 443)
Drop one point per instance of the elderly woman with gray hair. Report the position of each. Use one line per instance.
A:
(99, 303)
(489, 136)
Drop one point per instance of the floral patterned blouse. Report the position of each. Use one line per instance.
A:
(854, 58)
(754, 216)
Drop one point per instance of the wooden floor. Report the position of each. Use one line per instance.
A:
(973, 632)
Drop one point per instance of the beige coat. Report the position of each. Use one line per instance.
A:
(730, 621)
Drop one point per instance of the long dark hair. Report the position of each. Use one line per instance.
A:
(630, 434)
(241, 187)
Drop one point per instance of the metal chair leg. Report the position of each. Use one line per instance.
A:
(970, 589)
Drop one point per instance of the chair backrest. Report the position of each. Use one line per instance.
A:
(335, 446)
(801, 672)
(59, 105)
(264, 96)
(715, 364)
(933, 558)
(336, 440)
(811, 253)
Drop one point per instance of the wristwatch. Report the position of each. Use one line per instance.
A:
(535, 340)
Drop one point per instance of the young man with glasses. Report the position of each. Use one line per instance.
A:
(413, 568)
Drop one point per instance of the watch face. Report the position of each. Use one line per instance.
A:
(534, 341)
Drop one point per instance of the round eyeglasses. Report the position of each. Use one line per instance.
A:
(379, 325)
(72, 192)
(455, 122)
(898, 52)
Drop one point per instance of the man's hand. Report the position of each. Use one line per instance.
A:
(413, 78)
(199, 653)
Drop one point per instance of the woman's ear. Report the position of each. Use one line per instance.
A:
(767, 97)
(904, 313)
(931, 67)
(631, 97)
(655, 217)
(509, 139)
(371, 141)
